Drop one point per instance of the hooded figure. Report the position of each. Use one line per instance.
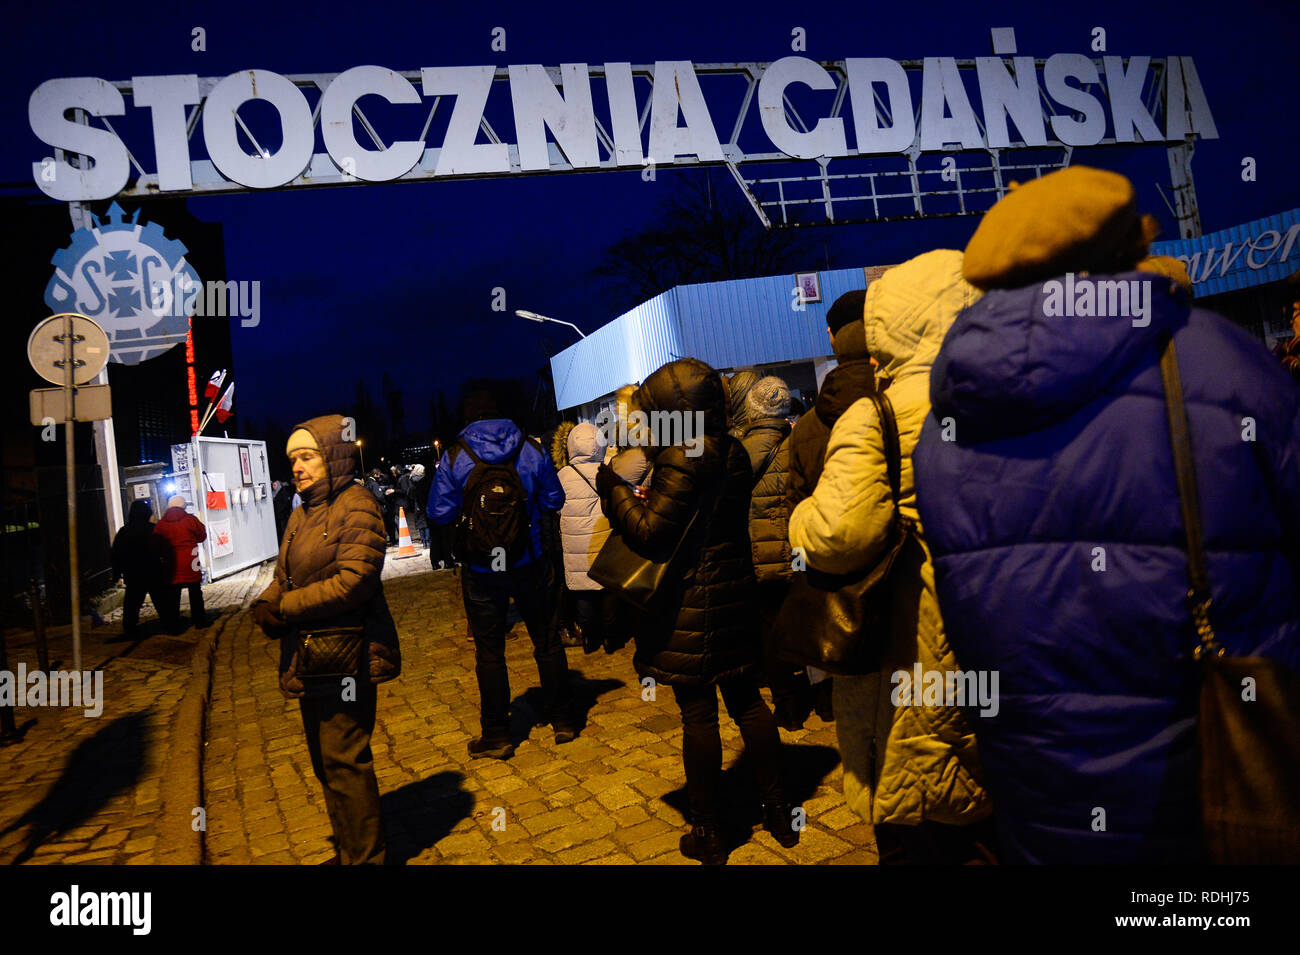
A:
(703, 635)
(583, 528)
(493, 459)
(140, 559)
(738, 386)
(704, 632)
(328, 576)
(328, 571)
(903, 764)
(1051, 507)
(583, 531)
(764, 440)
(416, 492)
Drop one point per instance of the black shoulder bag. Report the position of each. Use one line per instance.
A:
(641, 580)
(1249, 748)
(840, 623)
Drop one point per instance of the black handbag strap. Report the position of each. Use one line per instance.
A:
(767, 462)
(584, 478)
(889, 434)
(1198, 594)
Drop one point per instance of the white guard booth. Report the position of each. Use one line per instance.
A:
(228, 484)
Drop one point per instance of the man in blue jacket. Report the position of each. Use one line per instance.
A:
(1045, 484)
(495, 483)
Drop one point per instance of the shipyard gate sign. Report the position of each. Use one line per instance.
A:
(582, 117)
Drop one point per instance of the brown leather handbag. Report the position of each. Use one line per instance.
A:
(332, 653)
(841, 623)
(1248, 727)
(328, 653)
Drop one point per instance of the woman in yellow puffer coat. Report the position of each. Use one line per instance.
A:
(903, 765)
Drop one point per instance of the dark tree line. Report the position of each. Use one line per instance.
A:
(704, 231)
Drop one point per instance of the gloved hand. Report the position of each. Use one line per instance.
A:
(269, 619)
(606, 480)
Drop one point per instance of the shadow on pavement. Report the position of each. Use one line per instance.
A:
(528, 710)
(420, 814)
(739, 805)
(109, 763)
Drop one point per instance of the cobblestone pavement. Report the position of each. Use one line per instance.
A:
(614, 795)
(77, 789)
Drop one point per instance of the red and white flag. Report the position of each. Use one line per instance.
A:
(226, 403)
(214, 384)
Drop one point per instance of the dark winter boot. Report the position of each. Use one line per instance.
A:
(779, 820)
(704, 845)
(822, 701)
(491, 747)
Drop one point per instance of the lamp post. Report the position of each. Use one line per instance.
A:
(534, 317)
(363, 456)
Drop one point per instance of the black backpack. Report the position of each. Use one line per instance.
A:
(494, 510)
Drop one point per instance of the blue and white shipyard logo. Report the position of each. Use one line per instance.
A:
(131, 279)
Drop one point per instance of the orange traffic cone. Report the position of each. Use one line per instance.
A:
(404, 546)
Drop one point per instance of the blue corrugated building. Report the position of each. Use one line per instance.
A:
(760, 322)
(1241, 272)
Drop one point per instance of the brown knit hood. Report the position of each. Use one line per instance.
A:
(341, 458)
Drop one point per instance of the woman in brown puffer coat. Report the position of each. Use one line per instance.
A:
(703, 636)
(328, 576)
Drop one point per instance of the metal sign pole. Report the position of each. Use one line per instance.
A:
(105, 439)
(70, 454)
(80, 336)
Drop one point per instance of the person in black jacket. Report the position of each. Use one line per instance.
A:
(703, 637)
(282, 504)
(139, 559)
(415, 485)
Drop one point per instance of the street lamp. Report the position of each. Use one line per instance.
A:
(534, 317)
(363, 456)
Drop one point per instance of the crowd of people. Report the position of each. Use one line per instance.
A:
(1025, 452)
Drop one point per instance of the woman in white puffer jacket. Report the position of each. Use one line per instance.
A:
(583, 531)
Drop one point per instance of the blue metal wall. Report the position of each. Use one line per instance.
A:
(727, 324)
(1256, 253)
(618, 352)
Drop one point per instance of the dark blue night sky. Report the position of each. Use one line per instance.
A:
(397, 278)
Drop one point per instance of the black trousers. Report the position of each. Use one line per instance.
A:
(136, 591)
(789, 683)
(338, 739)
(487, 597)
(702, 746)
(440, 545)
(592, 612)
(170, 608)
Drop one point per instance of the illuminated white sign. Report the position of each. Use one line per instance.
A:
(1066, 100)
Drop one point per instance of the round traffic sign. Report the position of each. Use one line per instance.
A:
(47, 348)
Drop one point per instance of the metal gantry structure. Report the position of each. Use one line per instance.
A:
(854, 188)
